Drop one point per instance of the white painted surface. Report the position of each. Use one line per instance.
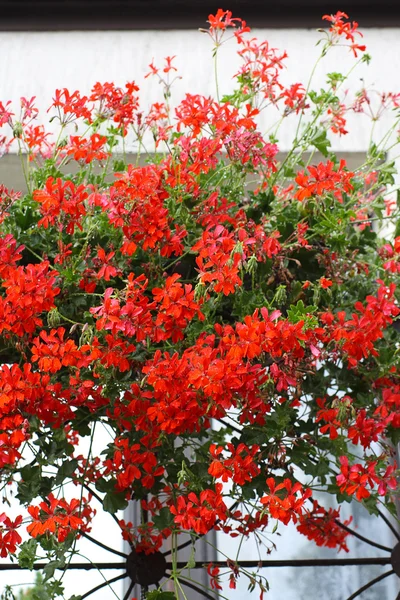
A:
(35, 64)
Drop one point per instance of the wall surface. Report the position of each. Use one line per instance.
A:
(35, 64)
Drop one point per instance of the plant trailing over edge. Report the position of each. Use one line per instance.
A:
(227, 317)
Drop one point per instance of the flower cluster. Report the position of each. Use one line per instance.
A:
(60, 517)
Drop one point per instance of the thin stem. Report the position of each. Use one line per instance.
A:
(174, 563)
(318, 112)
(182, 590)
(20, 154)
(321, 56)
(81, 500)
(216, 71)
(370, 584)
(38, 256)
(69, 320)
(95, 566)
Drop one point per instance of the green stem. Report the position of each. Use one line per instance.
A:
(215, 54)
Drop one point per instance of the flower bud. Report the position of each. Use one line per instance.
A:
(280, 296)
(53, 318)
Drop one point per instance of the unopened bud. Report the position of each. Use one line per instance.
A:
(280, 296)
(200, 291)
(86, 335)
(251, 265)
(17, 130)
(53, 318)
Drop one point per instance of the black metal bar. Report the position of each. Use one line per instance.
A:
(126, 597)
(99, 499)
(370, 584)
(230, 426)
(317, 562)
(362, 538)
(99, 587)
(389, 524)
(89, 537)
(306, 562)
(197, 589)
(87, 566)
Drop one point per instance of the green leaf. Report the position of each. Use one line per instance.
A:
(114, 501)
(299, 312)
(159, 595)
(30, 484)
(393, 434)
(27, 554)
(334, 78)
(386, 173)
(118, 165)
(7, 594)
(320, 141)
(164, 519)
(66, 470)
(50, 569)
(106, 485)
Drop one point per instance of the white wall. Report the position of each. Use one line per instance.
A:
(35, 64)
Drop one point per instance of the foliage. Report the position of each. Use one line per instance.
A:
(229, 318)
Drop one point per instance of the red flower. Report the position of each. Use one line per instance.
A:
(9, 536)
(321, 526)
(323, 179)
(61, 204)
(87, 150)
(213, 573)
(330, 416)
(288, 505)
(200, 513)
(348, 29)
(52, 352)
(325, 283)
(240, 467)
(222, 19)
(107, 270)
(356, 478)
(60, 517)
